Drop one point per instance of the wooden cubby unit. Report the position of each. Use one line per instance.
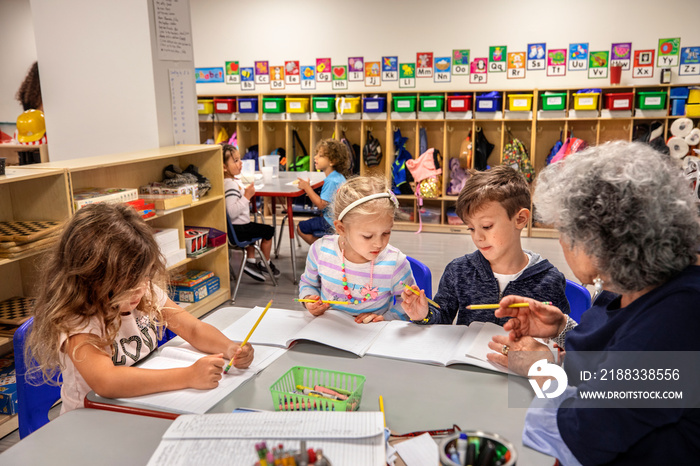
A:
(537, 130)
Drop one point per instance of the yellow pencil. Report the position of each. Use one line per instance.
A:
(381, 408)
(418, 294)
(230, 363)
(322, 301)
(496, 306)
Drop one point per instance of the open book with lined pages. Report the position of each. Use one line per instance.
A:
(429, 344)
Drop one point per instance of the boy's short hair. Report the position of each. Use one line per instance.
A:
(337, 153)
(501, 184)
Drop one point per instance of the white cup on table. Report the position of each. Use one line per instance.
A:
(267, 174)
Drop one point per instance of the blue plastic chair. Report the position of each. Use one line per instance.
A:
(422, 275)
(34, 401)
(235, 243)
(579, 299)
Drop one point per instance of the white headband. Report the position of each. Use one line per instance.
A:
(367, 199)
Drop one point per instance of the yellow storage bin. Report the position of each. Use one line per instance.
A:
(519, 102)
(297, 104)
(694, 96)
(692, 110)
(348, 104)
(586, 101)
(205, 106)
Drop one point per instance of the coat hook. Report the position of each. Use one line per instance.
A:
(602, 128)
(450, 129)
(343, 128)
(318, 128)
(245, 128)
(478, 129)
(442, 129)
(626, 127)
(369, 128)
(529, 129)
(539, 129)
(593, 128)
(270, 128)
(498, 129)
(395, 128)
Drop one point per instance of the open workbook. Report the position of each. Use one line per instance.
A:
(347, 439)
(192, 400)
(429, 344)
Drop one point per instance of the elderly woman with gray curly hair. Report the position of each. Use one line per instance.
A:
(628, 224)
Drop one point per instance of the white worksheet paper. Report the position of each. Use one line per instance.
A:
(418, 451)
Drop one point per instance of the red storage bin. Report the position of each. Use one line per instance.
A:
(224, 105)
(619, 101)
(459, 103)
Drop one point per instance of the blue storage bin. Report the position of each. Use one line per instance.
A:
(376, 104)
(489, 102)
(677, 107)
(679, 93)
(247, 105)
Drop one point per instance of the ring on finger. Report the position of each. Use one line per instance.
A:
(505, 350)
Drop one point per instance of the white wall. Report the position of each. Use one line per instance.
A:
(93, 69)
(18, 54)
(279, 30)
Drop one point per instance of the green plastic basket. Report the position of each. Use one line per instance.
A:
(404, 103)
(286, 397)
(323, 104)
(273, 104)
(431, 103)
(554, 101)
(652, 100)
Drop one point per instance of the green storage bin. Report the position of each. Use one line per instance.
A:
(432, 103)
(286, 396)
(323, 103)
(652, 100)
(273, 104)
(554, 101)
(404, 103)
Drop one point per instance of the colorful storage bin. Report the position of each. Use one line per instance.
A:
(287, 397)
(679, 92)
(405, 103)
(247, 105)
(586, 101)
(519, 102)
(348, 104)
(459, 103)
(677, 107)
(694, 96)
(297, 104)
(323, 103)
(224, 105)
(554, 101)
(652, 100)
(489, 102)
(376, 104)
(432, 103)
(619, 101)
(692, 110)
(273, 104)
(205, 106)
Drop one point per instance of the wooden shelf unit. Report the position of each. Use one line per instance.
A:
(131, 170)
(445, 132)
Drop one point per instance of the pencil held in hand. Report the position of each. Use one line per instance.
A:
(418, 294)
(324, 301)
(230, 363)
(496, 306)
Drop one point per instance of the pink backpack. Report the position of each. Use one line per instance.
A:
(428, 178)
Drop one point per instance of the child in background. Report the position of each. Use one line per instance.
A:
(358, 264)
(331, 158)
(238, 209)
(495, 207)
(102, 308)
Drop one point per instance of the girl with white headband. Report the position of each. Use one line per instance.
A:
(358, 266)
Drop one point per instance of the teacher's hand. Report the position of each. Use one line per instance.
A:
(519, 355)
(537, 320)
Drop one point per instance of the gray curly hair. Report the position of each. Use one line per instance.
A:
(627, 207)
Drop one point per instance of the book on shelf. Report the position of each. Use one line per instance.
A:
(428, 344)
(87, 196)
(190, 278)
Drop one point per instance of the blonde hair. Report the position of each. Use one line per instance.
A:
(358, 187)
(336, 152)
(105, 252)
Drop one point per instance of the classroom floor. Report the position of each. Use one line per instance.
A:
(433, 249)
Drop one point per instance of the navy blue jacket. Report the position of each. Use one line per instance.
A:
(664, 319)
(469, 280)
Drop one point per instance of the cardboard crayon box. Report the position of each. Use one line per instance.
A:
(195, 293)
(8, 386)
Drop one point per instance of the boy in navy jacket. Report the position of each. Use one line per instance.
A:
(495, 207)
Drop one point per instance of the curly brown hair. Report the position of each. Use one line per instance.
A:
(337, 153)
(29, 93)
(103, 254)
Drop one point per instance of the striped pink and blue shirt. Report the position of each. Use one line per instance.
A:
(324, 277)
